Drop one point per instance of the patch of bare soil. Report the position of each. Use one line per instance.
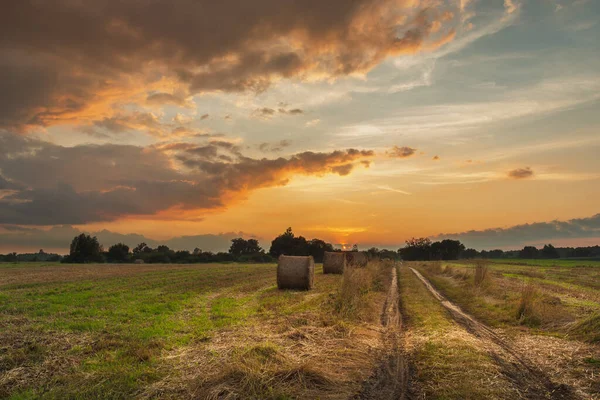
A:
(515, 363)
(390, 379)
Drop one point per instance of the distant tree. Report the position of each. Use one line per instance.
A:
(163, 249)
(317, 249)
(447, 249)
(118, 253)
(140, 248)
(354, 247)
(289, 244)
(197, 251)
(373, 253)
(11, 257)
(416, 249)
(549, 251)
(470, 253)
(529, 252)
(240, 247)
(85, 249)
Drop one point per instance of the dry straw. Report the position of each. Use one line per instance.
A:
(334, 262)
(356, 258)
(294, 272)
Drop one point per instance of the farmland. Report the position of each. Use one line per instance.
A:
(226, 331)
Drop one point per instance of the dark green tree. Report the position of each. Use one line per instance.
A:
(85, 249)
(118, 253)
(317, 249)
(549, 251)
(289, 244)
(416, 249)
(240, 247)
(141, 248)
(529, 252)
(470, 253)
(447, 250)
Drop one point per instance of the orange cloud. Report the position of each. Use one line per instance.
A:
(91, 183)
(91, 57)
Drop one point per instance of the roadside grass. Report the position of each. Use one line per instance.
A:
(361, 291)
(549, 299)
(86, 332)
(449, 362)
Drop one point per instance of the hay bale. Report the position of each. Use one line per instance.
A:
(356, 258)
(334, 262)
(294, 272)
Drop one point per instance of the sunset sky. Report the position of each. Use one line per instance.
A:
(354, 121)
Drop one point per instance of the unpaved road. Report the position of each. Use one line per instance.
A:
(529, 380)
(391, 378)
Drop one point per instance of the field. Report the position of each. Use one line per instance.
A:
(419, 330)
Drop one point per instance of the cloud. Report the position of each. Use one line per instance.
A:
(141, 121)
(204, 116)
(274, 147)
(293, 111)
(313, 122)
(441, 120)
(510, 6)
(90, 57)
(91, 183)
(521, 173)
(385, 188)
(167, 98)
(266, 112)
(58, 238)
(536, 233)
(401, 152)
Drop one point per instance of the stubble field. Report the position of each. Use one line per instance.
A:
(413, 330)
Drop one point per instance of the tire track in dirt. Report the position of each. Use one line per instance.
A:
(390, 379)
(533, 383)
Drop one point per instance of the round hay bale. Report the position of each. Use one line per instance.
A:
(334, 262)
(295, 272)
(356, 258)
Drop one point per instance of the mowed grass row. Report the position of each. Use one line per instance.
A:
(560, 298)
(95, 336)
(449, 362)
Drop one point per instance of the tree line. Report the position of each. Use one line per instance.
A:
(423, 249)
(87, 249)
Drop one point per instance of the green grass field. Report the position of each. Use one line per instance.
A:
(108, 331)
(226, 331)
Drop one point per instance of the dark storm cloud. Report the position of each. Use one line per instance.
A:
(53, 184)
(521, 173)
(64, 59)
(519, 235)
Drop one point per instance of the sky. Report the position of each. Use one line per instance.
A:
(191, 122)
